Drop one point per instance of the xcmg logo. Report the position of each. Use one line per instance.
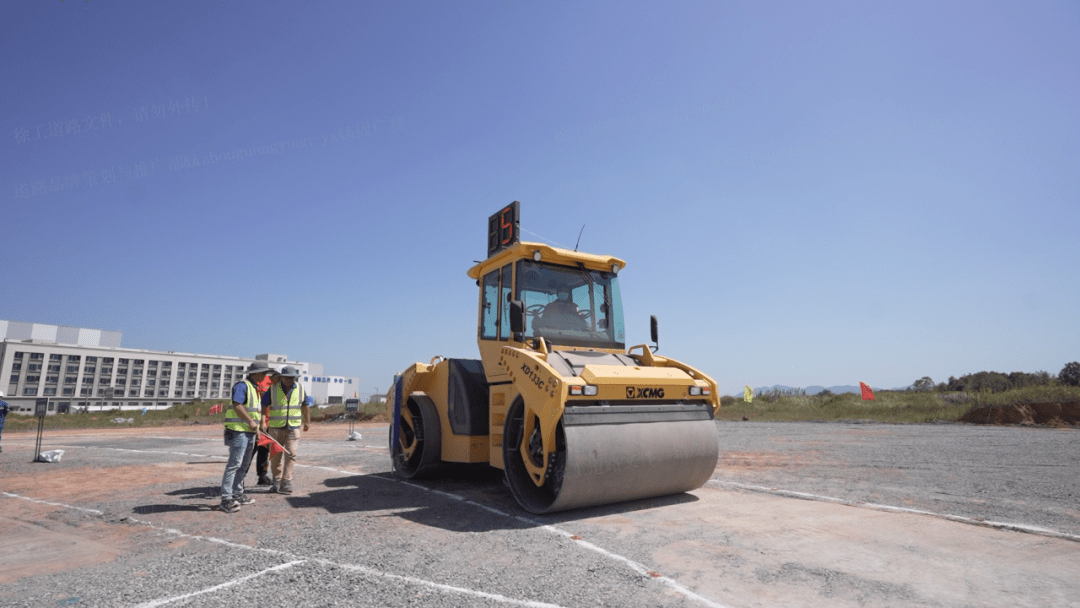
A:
(641, 392)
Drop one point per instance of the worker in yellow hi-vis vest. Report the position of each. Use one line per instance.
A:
(242, 422)
(289, 410)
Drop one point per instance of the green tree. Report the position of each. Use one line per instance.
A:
(923, 385)
(1070, 374)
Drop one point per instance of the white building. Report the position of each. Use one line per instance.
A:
(77, 367)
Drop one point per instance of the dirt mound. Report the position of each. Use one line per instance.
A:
(1052, 414)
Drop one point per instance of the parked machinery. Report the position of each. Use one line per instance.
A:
(556, 400)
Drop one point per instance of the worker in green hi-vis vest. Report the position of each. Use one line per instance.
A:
(289, 411)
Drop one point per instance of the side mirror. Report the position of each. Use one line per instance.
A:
(517, 316)
(654, 332)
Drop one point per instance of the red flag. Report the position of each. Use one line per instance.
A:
(867, 394)
(269, 442)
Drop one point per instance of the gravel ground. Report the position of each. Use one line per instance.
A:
(1025, 475)
(132, 523)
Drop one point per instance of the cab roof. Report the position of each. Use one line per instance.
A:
(554, 255)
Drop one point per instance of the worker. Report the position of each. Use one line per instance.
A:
(262, 452)
(289, 409)
(561, 313)
(4, 408)
(242, 421)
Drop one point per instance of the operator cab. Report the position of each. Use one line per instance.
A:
(589, 316)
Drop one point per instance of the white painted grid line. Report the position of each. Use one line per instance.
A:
(1029, 529)
(231, 583)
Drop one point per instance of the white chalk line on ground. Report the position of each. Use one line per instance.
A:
(634, 566)
(296, 560)
(51, 504)
(231, 583)
(1029, 529)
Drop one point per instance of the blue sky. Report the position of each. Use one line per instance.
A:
(805, 193)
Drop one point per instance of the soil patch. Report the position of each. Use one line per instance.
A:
(1050, 414)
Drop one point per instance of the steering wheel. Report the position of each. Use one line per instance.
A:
(534, 310)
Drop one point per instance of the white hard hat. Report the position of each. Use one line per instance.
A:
(1, 393)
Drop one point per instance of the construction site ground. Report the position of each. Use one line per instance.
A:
(796, 514)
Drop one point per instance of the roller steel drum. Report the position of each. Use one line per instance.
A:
(611, 458)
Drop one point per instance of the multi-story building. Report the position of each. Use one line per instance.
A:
(78, 368)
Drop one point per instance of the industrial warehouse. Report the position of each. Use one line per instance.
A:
(78, 368)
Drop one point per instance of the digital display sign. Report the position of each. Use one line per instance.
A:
(503, 228)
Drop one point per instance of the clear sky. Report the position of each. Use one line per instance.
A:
(805, 192)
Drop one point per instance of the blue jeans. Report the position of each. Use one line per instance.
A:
(240, 444)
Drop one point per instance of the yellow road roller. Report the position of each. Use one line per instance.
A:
(556, 400)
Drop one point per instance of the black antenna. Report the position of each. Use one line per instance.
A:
(579, 237)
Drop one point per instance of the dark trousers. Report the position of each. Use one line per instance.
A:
(262, 459)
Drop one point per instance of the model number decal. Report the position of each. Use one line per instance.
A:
(640, 392)
(533, 376)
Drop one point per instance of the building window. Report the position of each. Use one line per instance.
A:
(16, 367)
(18, 355)
(50, 390)
(151, 372)
(134, 393)
(106, 371)
(14, 378)
(70, 379)
(122, 370)
(163, 394)
(34, 367)
(121, 381)
(86, 392)
(54, 357)
(189, 393)
(72, 369)
(30, 391)
(136, 371)
(123, 361)
(91, 359)
(107, 360)
(74, 358)
(139, 361)
(54, 368)
(52, 379)
(217, 367)
(37, 356)
(166, 364)
(30, 379)
(88, 380)
(89, 370)
(68, 391)
(150, 382)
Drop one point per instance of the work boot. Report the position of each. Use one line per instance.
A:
(274, 488)
(264, 480)
(229, 505)
(285, 487)
(244, 499)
